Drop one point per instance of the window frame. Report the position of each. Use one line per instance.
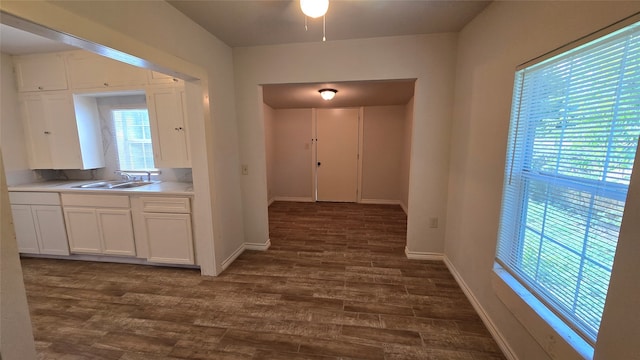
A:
(536, 314)
(137, 141)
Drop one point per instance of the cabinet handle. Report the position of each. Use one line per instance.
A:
(178, 129)
(175, 80)
(47, 132)
(106, 84)
(40, 88)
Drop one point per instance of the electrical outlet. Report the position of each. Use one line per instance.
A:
(245, 169)
(433, 222)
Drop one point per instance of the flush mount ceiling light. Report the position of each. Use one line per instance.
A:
(327, 94)
(315, 9)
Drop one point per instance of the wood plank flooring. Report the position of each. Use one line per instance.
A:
(335, 284)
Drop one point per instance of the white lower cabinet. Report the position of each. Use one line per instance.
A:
(99, 224)
(117, 232)
(25, 229)
(155, 228)
(82, 227)
(38, 223)
(169, 237)
(163, 224)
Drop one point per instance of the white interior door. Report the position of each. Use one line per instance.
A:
(337, 154)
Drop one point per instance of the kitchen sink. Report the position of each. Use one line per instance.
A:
(113, 184)
(131, 184)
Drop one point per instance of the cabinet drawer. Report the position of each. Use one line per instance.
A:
(33, 198)
(166, 204)
(102, 201)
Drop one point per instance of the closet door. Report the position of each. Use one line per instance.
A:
(337, 154)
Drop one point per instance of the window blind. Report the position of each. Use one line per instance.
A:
(575, 122)
(133, 139)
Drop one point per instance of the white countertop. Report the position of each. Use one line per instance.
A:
(164, 188)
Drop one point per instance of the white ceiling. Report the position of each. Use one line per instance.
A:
(17, 42)
(268, 22)
(350, 94)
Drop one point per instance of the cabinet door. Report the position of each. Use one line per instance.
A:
(116, 230)
(121, 74)
(51, 131)
(83, 231)
(155, 77)
(87, 70)
(40, 72)
(25, 229)
(63, 137)
(37, 132)
(169, 238)
(49, 225)
(168, 129)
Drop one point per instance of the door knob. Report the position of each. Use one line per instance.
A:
(319, 163)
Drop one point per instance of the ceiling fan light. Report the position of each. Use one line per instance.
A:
(314, 8)
(327, 94)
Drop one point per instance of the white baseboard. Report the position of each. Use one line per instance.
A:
(380, 201)
(404, 207)
(292, 198)
(497, 335)
(417, 255)
(242, 248)
(256, 246)
(232, 257)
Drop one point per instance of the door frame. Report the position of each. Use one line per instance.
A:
(314, 152)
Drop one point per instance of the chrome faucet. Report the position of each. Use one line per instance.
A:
(126, 175)
(123, 175)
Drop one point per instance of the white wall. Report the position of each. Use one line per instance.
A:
(11, 130)
(383, 136)
(292, 133)
(16, 337)
(269, 143)
(157, 32)
(428, 58)
(289, 156)
(406, 156)
(489, 49)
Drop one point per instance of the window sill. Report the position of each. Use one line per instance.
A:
(551, 333)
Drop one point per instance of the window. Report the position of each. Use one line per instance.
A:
(574, 131)
(133, 139)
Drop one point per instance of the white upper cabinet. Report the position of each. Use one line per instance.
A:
(90, 71)
(62, 127)
(62, 133)
(155, 77)
(169, 133)
(40, 72)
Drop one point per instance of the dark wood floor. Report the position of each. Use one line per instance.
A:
(335, 284)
